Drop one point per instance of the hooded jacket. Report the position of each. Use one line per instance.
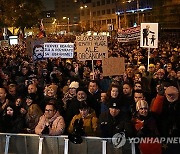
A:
(89, 123)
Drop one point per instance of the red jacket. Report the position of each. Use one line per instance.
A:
(157, 104)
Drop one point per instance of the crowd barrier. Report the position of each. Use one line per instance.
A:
(34, 144)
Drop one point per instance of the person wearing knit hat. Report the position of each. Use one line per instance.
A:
(114, 121)
(74, 84)
(114, 103)
(145, 126)
(142, 107)
(71, 93)
(151, 65)
(151, 68)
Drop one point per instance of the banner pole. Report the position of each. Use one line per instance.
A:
(148, 57)
(93, 69)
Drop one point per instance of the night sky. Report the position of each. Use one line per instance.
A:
(49, 4)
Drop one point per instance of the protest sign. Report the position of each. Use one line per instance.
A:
(149, 35)
(91, 47)
(62, 50)
(129, 34)
(35, 47)
(113, 66)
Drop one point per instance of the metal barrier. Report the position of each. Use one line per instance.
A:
(34, 144)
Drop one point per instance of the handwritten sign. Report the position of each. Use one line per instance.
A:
(62, 50)
(113, 66)
(91, 47)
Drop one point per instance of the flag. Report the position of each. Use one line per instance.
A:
(42, 30)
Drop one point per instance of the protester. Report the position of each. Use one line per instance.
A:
(20, 77)
(89, 119)
(11, 122)
(114, 121)
(166, 105)
(146, 127)
(51, 123)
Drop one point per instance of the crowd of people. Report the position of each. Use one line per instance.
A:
(64, 96)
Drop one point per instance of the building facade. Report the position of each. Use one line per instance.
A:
(49, 21)
(97, 15)
(67, 14)
(167, 14)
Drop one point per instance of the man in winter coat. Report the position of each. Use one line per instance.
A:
(114, 121)
(167, 106)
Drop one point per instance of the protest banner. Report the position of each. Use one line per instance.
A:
(113, 66)
(91, 47)
(62, 50)
(129, 34)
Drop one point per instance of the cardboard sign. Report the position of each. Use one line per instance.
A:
(113, 66)
(149, 35)
(62, 50)
(34, 47)
(91, 47)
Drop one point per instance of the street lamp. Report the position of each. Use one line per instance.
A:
(138, 22)
(90, 15)
(68, 29)
(118, 19)
(54, 24)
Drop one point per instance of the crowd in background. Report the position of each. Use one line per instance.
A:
(64, 96)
